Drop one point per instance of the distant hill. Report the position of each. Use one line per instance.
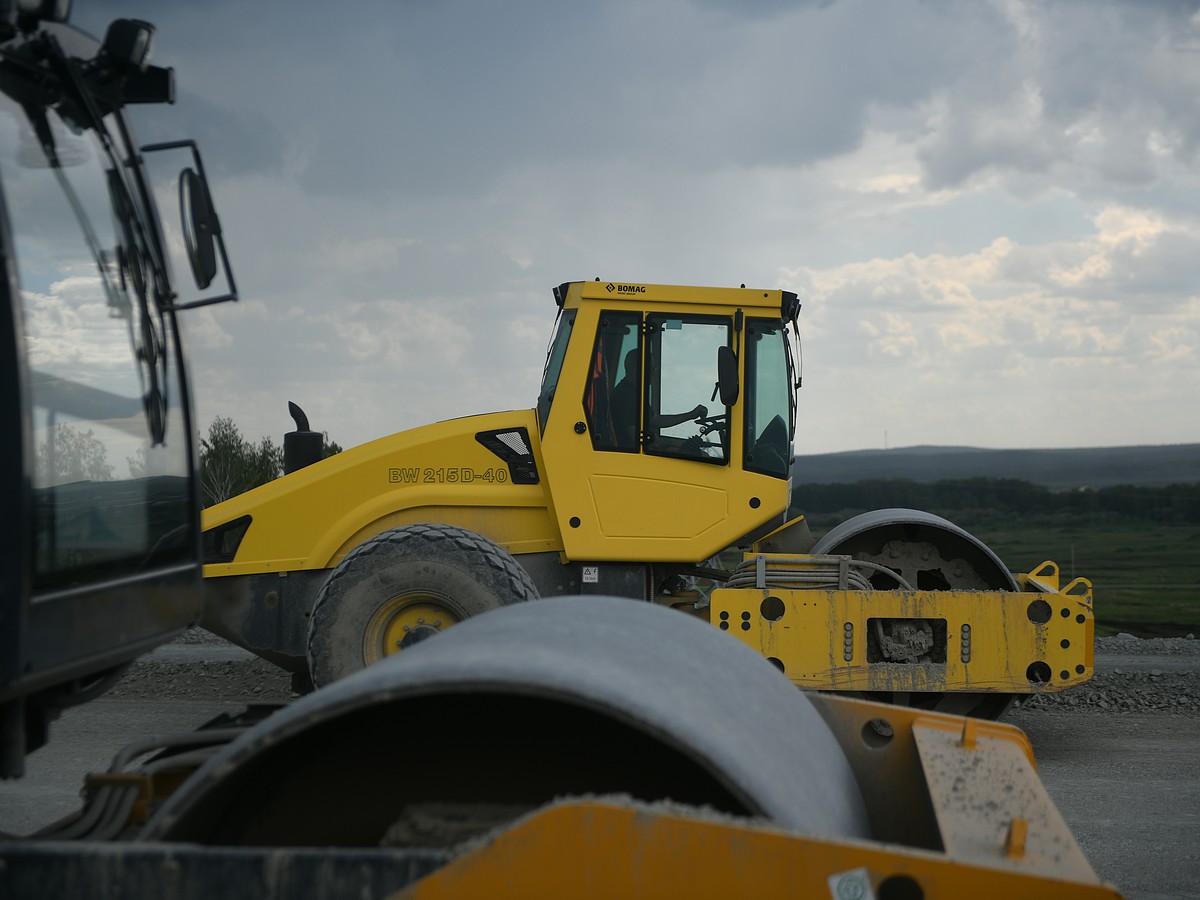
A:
(1149, 466)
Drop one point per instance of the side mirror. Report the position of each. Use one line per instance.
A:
(203, 243)
(130, 42)
(727, 375)
(200, 226)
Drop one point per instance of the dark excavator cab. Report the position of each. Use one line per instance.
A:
(98, 481)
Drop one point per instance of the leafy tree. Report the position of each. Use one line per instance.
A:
(231, 465)
(137, 463)
(72, 455)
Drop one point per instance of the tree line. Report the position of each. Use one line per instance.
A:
(231, 465)
(1176, 503)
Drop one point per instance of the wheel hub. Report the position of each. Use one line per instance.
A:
(420, 633)
(405, 620)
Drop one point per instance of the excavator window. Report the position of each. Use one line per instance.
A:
(110, 459)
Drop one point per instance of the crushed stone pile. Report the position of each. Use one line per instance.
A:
(1127, 679)
(251, 680)
(241, 679)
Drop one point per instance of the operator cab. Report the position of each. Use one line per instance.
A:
(656, 376)
(97, 474)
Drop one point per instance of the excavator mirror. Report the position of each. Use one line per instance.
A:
(727, 375)
(199, 226)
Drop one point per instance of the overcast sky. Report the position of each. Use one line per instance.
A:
(990, 211)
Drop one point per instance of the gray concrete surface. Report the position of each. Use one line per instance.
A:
(1129, 788)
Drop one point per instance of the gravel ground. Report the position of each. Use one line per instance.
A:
(236, 681)
(1133, 676)
(199, 665)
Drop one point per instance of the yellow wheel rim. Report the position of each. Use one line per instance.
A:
(406, 619)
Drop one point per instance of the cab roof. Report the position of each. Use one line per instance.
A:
(570, 294)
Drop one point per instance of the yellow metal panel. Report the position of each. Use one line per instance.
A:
(254, 567)
(990, 808)
(309, 519)
(662, 296)
(517, 529)
(810, 637)
(642, 508)
(877, 741)
(601, 850)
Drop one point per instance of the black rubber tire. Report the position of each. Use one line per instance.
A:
(466, 572)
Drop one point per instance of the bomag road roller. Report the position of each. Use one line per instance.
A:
(598, 748)
(661, 444)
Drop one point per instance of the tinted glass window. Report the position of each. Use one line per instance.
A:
(768, 399)
(683, 416)
(612, 399)
(554, 363)
(110, 472)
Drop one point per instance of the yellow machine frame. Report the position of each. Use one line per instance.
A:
(589, 507)
(996, 641)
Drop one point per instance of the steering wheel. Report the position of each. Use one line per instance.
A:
(709, 424)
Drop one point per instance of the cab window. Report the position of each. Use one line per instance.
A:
(769, 419)
(682, 416)
(110, 469)
(554, 364)
(612, 398)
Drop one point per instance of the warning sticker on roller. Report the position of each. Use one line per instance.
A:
(591, 574)
(852, 885)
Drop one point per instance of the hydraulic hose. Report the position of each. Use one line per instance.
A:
(829, 572)
(106, 812)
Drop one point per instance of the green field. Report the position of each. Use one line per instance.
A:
(1125, 518)
(1145, 576)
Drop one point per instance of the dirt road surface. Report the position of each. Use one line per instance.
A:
(1119, 756)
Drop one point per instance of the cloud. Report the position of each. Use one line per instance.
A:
(235, 141)
(987, 208)
(56, 322)
(1014, 345)
(1101, 91)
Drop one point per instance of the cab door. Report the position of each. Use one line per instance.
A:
(638, 447)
